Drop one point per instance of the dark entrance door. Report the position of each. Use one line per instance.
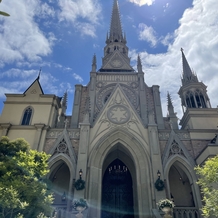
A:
(117, 192)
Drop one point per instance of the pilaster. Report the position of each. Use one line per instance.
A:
(83, 155)
(5, 128)
(158, 109)
(76, 106)
(92, 94)
(143, 99)
(39, 127)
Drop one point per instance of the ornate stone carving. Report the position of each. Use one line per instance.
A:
(33, 91)
(166, 135)
(106, 91)
(62, 148)
(118, 114)
(55, 133)
(175, 149)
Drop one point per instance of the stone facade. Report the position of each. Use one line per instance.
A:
(117, 117)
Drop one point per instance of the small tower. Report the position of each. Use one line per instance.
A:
(94, 64)
(62, 111)
(193, 93)
(171, 114)
(139, 65)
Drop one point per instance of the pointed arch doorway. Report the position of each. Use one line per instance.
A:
(117, 191)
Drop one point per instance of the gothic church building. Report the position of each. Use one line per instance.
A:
(116, 139)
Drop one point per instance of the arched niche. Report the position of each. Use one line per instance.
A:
(180, 186)
(60, 179)
(181, 180)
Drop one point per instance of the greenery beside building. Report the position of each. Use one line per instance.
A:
(24, 191)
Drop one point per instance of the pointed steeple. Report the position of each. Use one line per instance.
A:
(116, 33)
(94, 63)
(170, 105)
(188, 75)
(116, 52)
(192, 92)
(139, 65)
(171, 114)
(64, 101)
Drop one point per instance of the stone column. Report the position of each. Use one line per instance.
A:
(158, 109)
(6, 127)
(143, 99)
(76, 106)
(39, 127)
(92, 95)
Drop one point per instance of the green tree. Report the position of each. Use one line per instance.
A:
(2, 12)
(23, 188)
(208, 182)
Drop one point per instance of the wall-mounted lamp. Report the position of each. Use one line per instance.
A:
(159, 184)
(80, 174)
(158, 174)
(63, 198)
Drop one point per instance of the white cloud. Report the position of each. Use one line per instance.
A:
(198, 35)
(142, 2)
(78, 77)
(20, 36)
(17, 73)
(147, 33)
(86, 10)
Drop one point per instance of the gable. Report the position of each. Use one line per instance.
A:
(175, 147)
(117, 61)
(34, 88)
(63, 146)
(118, 112)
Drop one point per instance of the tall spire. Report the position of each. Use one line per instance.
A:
(188, 75)
(116, 33)
(116, 52)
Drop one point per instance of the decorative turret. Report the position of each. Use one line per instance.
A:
(171, 114)
(139, 65)
(62, 111)
(64, 103)
(192, 92)
(94, 63)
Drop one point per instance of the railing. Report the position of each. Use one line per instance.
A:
(179, 212)
(186, 212)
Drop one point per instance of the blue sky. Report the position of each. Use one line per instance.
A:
(61, 36)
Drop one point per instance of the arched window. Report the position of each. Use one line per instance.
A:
(192, 101)
(27, 116)
(188, 102)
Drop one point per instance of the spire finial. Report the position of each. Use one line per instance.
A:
(40, 70)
